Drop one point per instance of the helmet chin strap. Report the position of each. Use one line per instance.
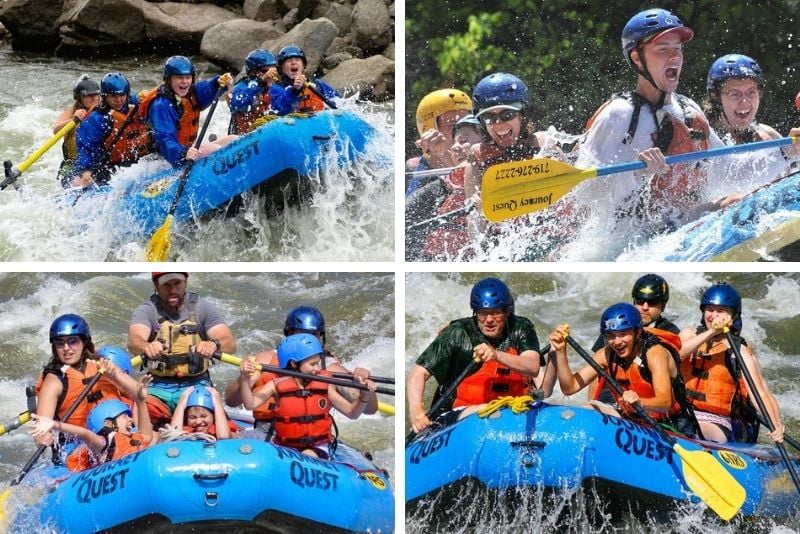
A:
(645, 73)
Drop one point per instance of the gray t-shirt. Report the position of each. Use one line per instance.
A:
(206, 314)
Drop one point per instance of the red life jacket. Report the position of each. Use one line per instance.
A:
(129, 137)
(302, 414)
(73, 383)
(487, 154)
(243, 120)
(188, 112)
(637, 376)
(451, 237)
(491, 381)
(264, 411)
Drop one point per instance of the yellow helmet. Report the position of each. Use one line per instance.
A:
(438, 103)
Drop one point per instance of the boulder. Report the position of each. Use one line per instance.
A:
(228, 43)
(372, 25)
(313, 36)
(32, 23)
(263, 10)
(372, 77)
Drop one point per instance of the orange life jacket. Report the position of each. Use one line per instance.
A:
(188, 112)
(264, 411)
(302, 414)
(74, 382)
(120, 445)
(243, 121)
(491, 381)
(132, 143)
(309, 102)
(80, 459)
(710, 386)
(637, 376)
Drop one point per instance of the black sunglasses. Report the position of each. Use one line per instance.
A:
(503, 116)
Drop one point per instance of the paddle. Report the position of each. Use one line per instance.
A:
(67, 415)
(313, 88)
(703, 473)
(517, 188)
(15, 423)
(235, 360)
(160, 243)
(376, 379)
(431, 173)
(12, 173)
(737, 353)
(471, 368)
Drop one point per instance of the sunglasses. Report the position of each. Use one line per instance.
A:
(503, 116)
(72, 341)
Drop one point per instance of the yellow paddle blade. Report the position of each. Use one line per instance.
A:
(4, 515)
(160, 243)
(386, 409)
(504, 175)
(710, 481)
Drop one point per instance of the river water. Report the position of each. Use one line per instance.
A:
(352, 220)
(770, 319)
(358, 309)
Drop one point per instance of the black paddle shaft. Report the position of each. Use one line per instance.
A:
(377, 379)
(762, 408)
(40, 450)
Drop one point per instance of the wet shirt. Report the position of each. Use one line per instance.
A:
(451, 352)
(207, 315)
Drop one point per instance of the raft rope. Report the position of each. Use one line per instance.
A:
(170, 433)
(517, 404)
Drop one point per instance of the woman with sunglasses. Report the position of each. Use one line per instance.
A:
(250, 96)
(68, 372)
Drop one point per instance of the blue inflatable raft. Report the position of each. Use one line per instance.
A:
(270, 160)
(196, 486)
(762, 224)
(569, 448)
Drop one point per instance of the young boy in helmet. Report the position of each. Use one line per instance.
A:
(250, 96)
(200, 410)
(87, 96)
(654, 120)
(302, 411)
(173, 111)
(641, 363)
(507, 345)
(294, 92)
(110, 432)
(113, 137)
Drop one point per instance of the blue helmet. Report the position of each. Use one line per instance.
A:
(491, 294)
(646, 25)
(259, 59)
(115, 83)
(109, 409)
(733, 66)
(200, 397)
(85, 87)
(291, 51)
(179, 66)
(118, 356)
(297, 348)
(619, 317)
(499, 89)
(722, 294)
(70, 325)
(304, 318)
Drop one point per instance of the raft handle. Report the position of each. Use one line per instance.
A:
(210, 476)
(529, 444)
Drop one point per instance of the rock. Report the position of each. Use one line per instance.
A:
(263, 10)
(341, 15)
(372, 26)
(32, 23)
(313, 36)
(372, 77)
(228, 43)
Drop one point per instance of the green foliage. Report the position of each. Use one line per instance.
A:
(569, 52)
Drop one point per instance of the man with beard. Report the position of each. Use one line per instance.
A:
(176, 332)
(504, 343)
